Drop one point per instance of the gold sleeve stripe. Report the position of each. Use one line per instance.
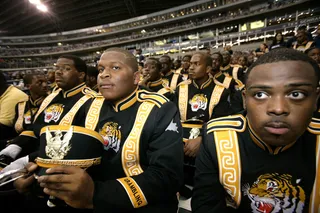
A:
(315, 196)
(215, 98)
(152, 97)
(134, 192)
(237, 123)
(28, 133)
(235, 72)
(184, 125)
(228, 156)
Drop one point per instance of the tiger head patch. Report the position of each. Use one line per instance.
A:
(53, 113)
(273, 193)
(198, 101)
(111, 135)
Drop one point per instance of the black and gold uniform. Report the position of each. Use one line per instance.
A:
(304, 46)
(25, 113)
(141, 169)
(235, 168)
(235, 87)
(160, 86)
(60, 107)
(172, 79)
(184, 73)
(235, 71)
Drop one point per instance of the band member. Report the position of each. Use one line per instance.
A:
(170, 78)
(141, 168)
(264, 160)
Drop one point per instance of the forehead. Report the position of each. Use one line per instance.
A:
(186, 58)
(164, 60)
(196, 57)
(150, 62)
(113, 56)
(283, 71)
(215, 56)
(314, 51)
(65, 61)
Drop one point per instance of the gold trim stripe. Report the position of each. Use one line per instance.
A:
(28, 133)
(93, 114)
(134, 192)
(19, 123)
(46, 102)
(174, 81)
(130, 155)
(184, 125)
(228, 156)
(235, 72)
(83, 163)
(183, 101)
(76, 129)
(215, 98)
(155, 98)
(68, 118)
(315, 196)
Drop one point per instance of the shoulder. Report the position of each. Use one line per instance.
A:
(314, 126)
(152, 97)
(14, 94)
(233, 122)
(89, 92)
(184, 83)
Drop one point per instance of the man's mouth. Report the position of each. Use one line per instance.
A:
(106, 86)
(277, 128)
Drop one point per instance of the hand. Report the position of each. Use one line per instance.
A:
(192, 146)
(22, 184)
(145, 80)
(71, 184)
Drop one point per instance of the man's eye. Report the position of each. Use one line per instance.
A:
(260, 95)
(297, 95)
(115, 68)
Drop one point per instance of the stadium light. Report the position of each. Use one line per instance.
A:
(36, 2)
(42, 7)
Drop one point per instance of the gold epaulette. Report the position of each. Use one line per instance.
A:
(90, 92)
(232, 122)
(185, 82)
(314, 126)
(157, 99)
(236, 65)
(165, 90)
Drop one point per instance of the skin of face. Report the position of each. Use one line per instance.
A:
(66, 75)
(166, 64)
(216, 62)
(315, 55)
(39, 86)
(198, 69)
(185, 63)
(280, 99)
(116, 79)
(150, 69)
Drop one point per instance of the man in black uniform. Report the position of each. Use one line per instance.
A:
(170, 78)
(268, 158)
(235, 71)
(183, 70)
(26, 110)
(63, 106)
(141, 170)
(199, 99)
(153, 80)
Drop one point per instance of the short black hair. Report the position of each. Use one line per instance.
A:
(79, 64)
(284, 54)
(187, 56)
(302, 28)
(310, 49)
(92, 71)
(27, 79)
(131, 59)
(168, 57)
(219, 54)
(207, 58)
(3, 80)
(158, 64)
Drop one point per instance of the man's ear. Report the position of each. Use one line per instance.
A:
(136, 77)
(243, 94)
(209, 69)
(82, 75)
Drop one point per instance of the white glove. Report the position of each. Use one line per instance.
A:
(12, 151)
(17, 164)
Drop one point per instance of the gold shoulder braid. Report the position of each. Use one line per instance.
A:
(157, 99)
(130, 156)
(174, 81)
(19, 123)
(93, 114)
(46, 102)
(226, 140)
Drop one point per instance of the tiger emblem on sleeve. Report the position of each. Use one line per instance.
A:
(111, 135)
(53, 113)
(275, 193)
(198, 101)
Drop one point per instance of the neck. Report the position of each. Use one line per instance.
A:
(165, 72)
(115, 102)
(199, 82)
(34, 96)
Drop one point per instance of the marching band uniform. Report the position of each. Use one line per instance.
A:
(235, 168)
(141, 168)
(172, 79)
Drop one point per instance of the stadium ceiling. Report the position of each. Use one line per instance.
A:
(20, 17)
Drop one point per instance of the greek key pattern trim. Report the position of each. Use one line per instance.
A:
(130, 152)
(183, 101)
(215, 98)
(94, 113)
(229, 164)
(19, 124)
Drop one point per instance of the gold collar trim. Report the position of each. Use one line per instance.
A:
(126, 102)
(74, 90)
(225, 68)
(36, 102)
(204, 85)
(95, 87)
(263, 145)
(155, 83)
